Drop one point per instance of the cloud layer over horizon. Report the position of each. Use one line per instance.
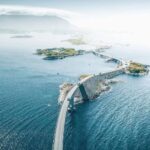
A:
(103, 20)
(37, 11)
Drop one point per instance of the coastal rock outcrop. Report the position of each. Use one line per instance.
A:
(64, 89)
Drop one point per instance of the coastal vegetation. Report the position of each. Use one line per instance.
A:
(137, 68)
(59, 53)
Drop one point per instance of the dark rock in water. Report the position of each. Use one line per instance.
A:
(50, 58)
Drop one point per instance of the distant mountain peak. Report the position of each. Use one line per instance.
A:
(34, 19)
(35, 11)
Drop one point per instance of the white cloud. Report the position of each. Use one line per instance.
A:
(37, 11)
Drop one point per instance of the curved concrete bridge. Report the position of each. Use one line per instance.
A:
(86, 88)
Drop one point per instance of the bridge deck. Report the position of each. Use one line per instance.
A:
(59, 133)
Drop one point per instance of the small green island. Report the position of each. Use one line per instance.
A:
(58, 53)
(76, 41)
(137, 69)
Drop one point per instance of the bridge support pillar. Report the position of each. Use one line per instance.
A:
(83, 92)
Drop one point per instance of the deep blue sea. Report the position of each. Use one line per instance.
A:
(29, 90)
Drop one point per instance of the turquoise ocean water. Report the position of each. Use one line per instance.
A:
(29, 89)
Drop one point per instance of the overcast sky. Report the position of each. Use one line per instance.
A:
(118, 15)
(85, 5)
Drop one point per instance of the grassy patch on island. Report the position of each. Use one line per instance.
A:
(136, 68)
(58, 53)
